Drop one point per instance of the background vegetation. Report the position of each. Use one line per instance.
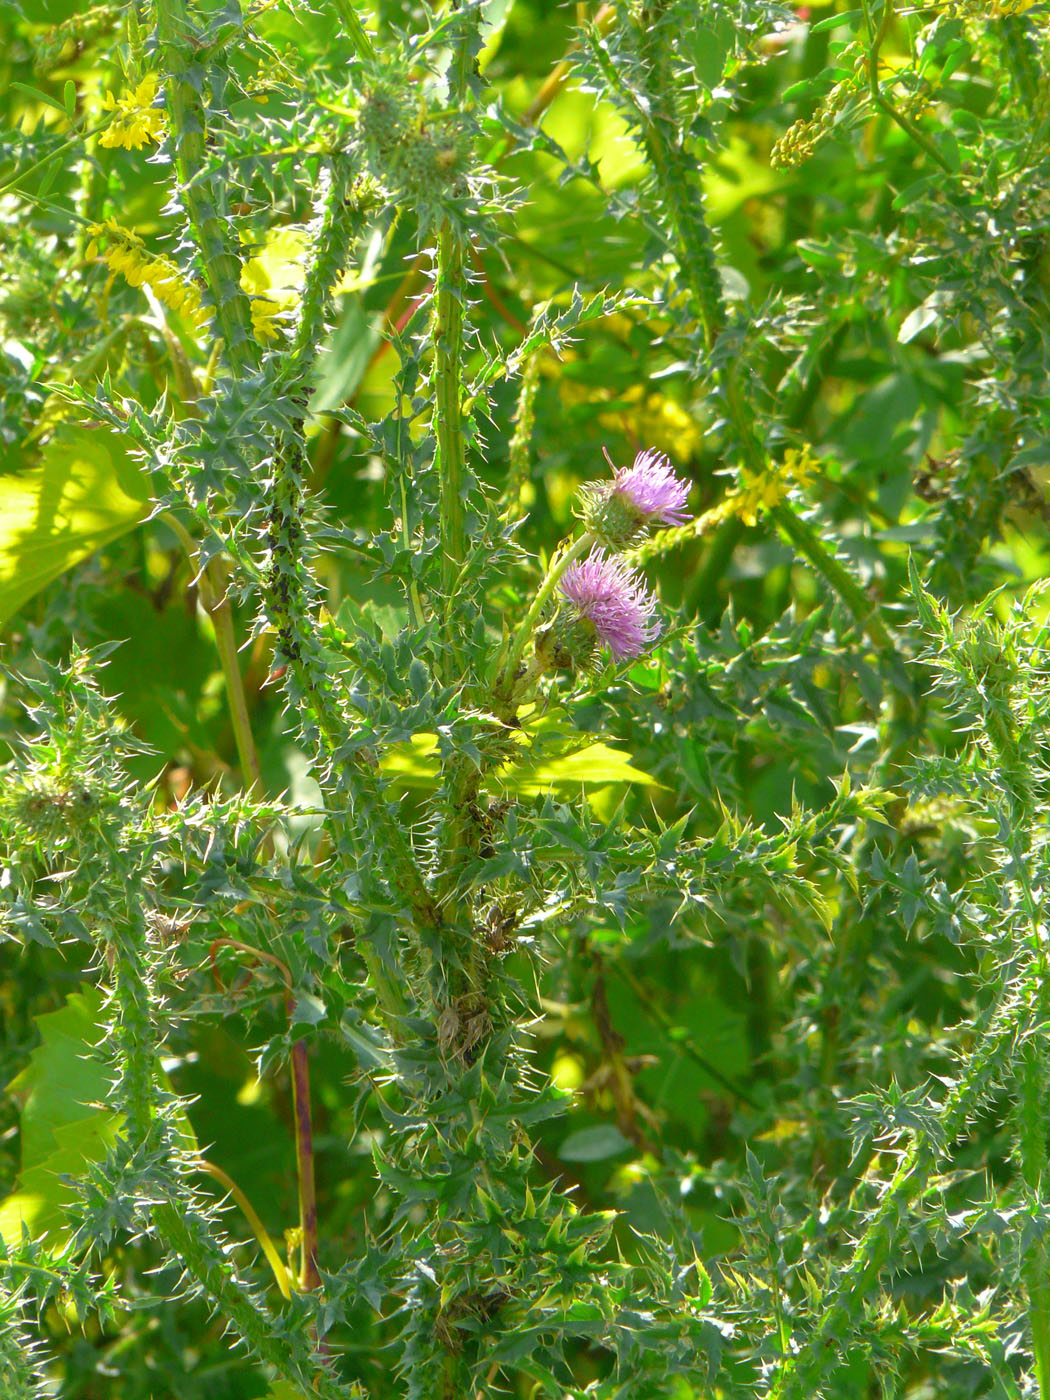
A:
(740, 1085)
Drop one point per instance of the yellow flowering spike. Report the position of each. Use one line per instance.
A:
(125, 253)
(758, 494)
(800, 466)
(135, 122)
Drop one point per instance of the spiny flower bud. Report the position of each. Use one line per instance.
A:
(53, 808)
(618, 512)
(383, 119)
(413, 154)
(567, 644)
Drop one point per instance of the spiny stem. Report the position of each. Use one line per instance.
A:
(1018, 818)
(683, 200)
(804, 1369)
(184, 1231)
(355, 29)
(1032, 1146)
(864, 609)
(450, 291)
(203, 195)
(288, 592)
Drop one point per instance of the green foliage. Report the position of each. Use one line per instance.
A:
(401, 994)
(85, 493)
(63, 1123)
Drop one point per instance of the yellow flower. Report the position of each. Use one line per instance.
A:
(800, 466)
(125, 253)
(135, 122)
(758, 494)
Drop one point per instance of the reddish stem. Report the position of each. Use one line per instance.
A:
(309, 1278)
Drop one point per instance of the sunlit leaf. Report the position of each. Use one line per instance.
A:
(87, 491)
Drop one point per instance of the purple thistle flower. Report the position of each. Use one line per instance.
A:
(652, 488)
(614, 599)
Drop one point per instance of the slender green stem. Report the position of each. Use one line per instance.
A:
(450, 290)
(908, 126)
(558, 565)
(76, 140)
(681, 1042)
(883, 103)
(214, 590)
(266, 1244)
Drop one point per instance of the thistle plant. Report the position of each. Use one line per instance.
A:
(523, 834)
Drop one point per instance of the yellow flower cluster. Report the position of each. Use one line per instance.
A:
(135, 121)
(803, 137)
(125, 253)
(761, 493)
(756, 494)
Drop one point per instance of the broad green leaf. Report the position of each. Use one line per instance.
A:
(43, 1197)
(277, 263)
(342, 367)
(65, 1124)
(63, 1082)
(495, 14)
(597, 765)
(87, 491)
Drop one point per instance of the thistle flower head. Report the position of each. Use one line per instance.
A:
(608, 594)
(617, 512)
(652, 488)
